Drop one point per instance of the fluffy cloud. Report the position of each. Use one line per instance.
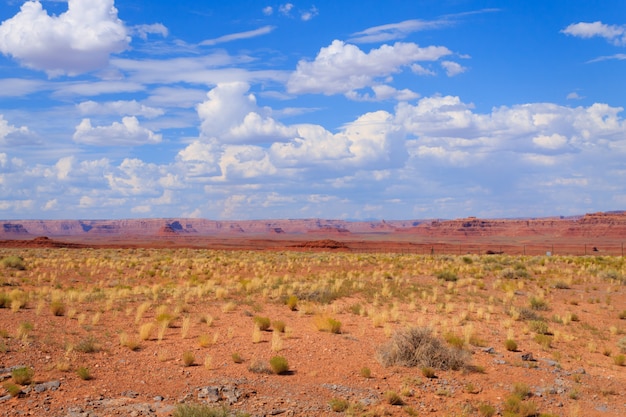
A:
(127, 133)
(453, 68)
(341, 68)
(14, 136)
(612, 33)
(77, 41)
(231, 115)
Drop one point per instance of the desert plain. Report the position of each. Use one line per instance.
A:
(462, 318)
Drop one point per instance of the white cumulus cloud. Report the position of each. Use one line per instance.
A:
(77, 41)
(127, 133)
(231, 115)
(15, 136)
(341, 68)
(614, 34)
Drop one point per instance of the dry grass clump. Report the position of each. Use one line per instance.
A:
(327, 324)
(416, 346)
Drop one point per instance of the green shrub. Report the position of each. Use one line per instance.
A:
(188, 358)
(292, 302)
(236, 357)
(515, 406)
(5, 301)
(538, 304)
(327, 324)
(13, 262)
(57, 308)
(13, 389)
(447, 276)
(619, 360)
(622, 315)
(279, 365)
(263, 323)
(544, 340)
(338, 405)
(87, 345)
(510, 345)
(22, 375)
(366, 372)
(392, 397)
(279, 326)
(428, 372)
(84, 373)
(539, 327)
(454, 340)
(416, 346)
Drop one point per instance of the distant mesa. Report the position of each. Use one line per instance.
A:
(14, 229)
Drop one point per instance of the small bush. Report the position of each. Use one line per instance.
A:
(279, 326)
(619, 360)
(417, 346)
(517, 407)
(621, 344)
(57, 308)
(263, 323)
(12, 389)
(510, 345)
(544, 340)
(88, 345)
(13, 262)
(538, 304)
(392, 397)
(366, 372)
(521, 390)
(338, 405)
(327, 324)
(23, 375)
(539, 327)
(188, 358)
(84, 373)
(486, 410)
(428, 372)
(292, 302)
(259, 367)
(279, 365)
(447, 276)
(454, 340)
(236, 357)
(622, 315)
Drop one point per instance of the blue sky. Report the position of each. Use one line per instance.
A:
(333, 109)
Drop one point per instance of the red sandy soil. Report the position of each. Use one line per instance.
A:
(575, 377)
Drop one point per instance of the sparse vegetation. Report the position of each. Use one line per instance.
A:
(510, 345)
(204, 410)
(104, 294)
(418, 347)
(23, 375)
(84, 373)
(279, 365)
(327, 324)
(188, 358)
(338, 405)
(13, 262)
(262, 323)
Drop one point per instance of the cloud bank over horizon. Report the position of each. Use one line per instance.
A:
(108, 115)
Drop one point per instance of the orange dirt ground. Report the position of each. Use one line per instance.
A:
(102, 284)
